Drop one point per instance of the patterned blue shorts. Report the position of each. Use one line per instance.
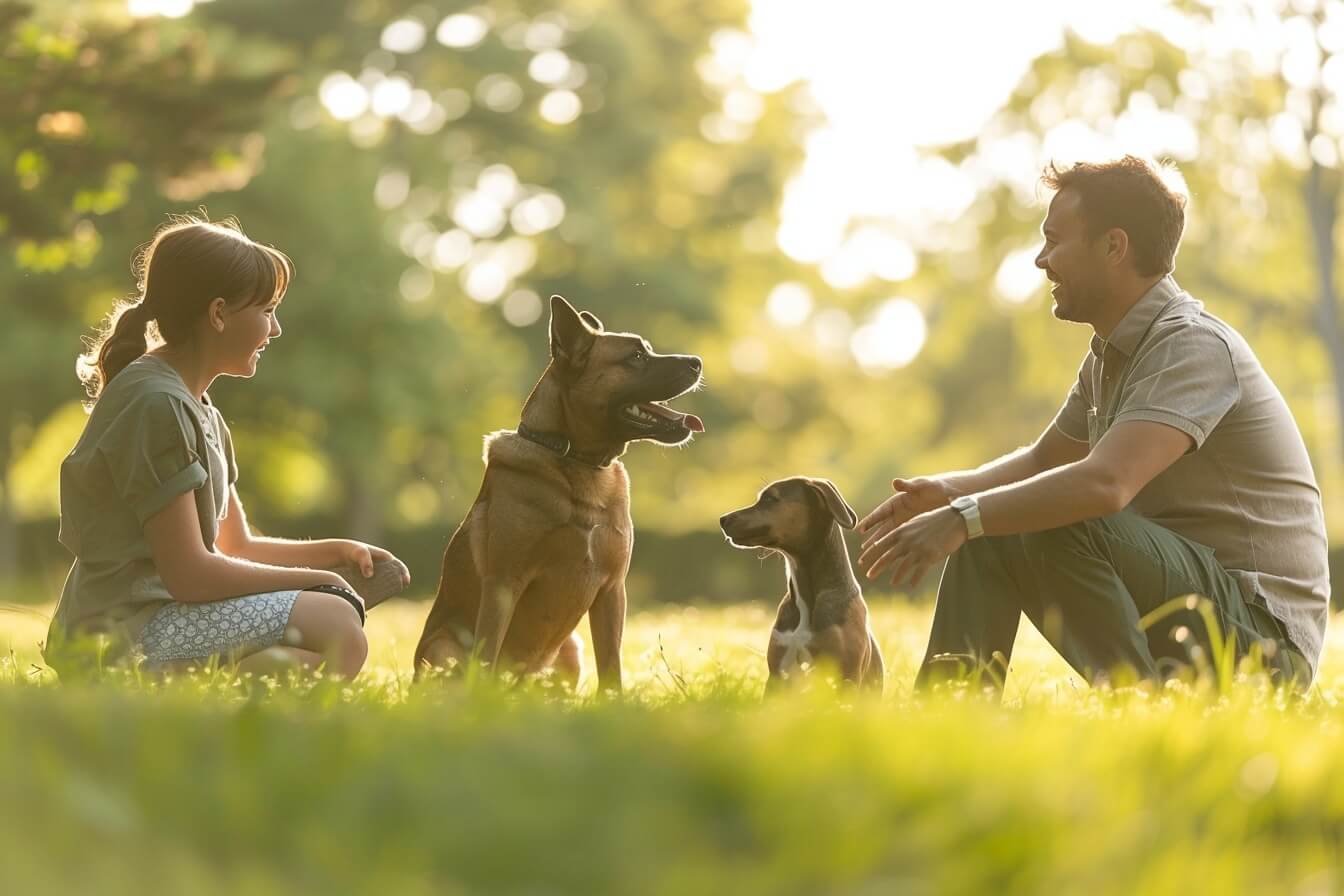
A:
(224, 628)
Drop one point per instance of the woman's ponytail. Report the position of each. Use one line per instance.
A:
(123, 341)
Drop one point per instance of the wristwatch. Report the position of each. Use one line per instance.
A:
(969, 508)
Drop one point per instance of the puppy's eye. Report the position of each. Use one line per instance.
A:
(639, 356)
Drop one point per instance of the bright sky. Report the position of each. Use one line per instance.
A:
(890, 78)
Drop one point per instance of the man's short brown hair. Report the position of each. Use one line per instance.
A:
(1130, 194)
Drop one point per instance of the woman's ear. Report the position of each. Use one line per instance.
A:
(214, 313)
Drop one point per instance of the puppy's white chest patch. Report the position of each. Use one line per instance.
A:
(796, 643)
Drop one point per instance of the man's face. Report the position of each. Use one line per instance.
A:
(1075, 264)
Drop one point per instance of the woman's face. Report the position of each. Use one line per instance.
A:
(246, 332)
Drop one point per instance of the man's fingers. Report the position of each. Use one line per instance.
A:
(876, 516)
(877, 535)
(884, 560)
(870, 551)
(907, 563)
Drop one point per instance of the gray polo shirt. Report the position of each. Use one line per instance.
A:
(1247, 489)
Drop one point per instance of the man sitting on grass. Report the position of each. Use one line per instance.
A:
(1174, 468)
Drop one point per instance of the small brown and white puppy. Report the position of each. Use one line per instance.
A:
(823, 615)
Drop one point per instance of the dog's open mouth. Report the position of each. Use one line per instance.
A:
(651, 416)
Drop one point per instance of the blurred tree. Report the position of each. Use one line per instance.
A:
(91, 101)
(506, 152)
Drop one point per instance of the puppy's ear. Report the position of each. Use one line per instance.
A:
(830, 496)
(591, 320)
(571, 336)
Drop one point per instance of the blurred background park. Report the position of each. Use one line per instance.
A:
(835, 204)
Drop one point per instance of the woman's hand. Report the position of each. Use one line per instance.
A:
(362, 557)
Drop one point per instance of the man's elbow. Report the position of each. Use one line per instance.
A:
(1109, 493)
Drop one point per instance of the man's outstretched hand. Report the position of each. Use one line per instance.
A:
(906, 533)
(913, 497)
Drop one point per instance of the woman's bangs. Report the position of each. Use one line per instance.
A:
(273, 271)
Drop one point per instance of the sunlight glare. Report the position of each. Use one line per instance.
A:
(343, 96)
(462, 30)
(169, 9)
(893, 338)
(392, 188)
(871, 67)
(478, 214)
(499, 182)
(539, 212)
(1018, 280)
(391, 96)
(560, 106)
(485, 282)
(403, 36)
(452, 249)
(789, 304)
(550, 67)
(521, 307)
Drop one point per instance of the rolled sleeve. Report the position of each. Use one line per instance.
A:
(1184, 379)
(151, 454)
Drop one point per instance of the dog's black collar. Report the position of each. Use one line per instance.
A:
(560, 445)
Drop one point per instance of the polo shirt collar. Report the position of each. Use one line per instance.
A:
(1132, 327)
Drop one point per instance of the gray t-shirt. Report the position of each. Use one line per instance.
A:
(147, 440)
(1247, 489)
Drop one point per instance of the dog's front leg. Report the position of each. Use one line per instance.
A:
(499, 597)
(606, 621)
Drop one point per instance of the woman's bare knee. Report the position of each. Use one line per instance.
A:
(327, 624)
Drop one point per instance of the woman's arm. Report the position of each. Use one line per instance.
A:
(194, 574)
(237, 540)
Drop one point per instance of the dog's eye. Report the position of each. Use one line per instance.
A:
(639, 356)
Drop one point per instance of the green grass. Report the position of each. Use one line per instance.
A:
(689, 784)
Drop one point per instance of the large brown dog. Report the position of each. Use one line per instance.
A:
(549, 536)
(822, 615)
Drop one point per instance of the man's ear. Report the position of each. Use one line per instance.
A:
(830, 496)
(571, 336)
(1117, 245)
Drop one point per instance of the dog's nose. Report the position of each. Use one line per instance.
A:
(696, 364)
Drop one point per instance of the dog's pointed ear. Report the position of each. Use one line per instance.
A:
(571, 336)
(830, 496)
(591, 320)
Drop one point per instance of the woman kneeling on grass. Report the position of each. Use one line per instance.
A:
(166, 568)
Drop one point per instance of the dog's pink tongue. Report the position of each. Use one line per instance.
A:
(694, 423)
